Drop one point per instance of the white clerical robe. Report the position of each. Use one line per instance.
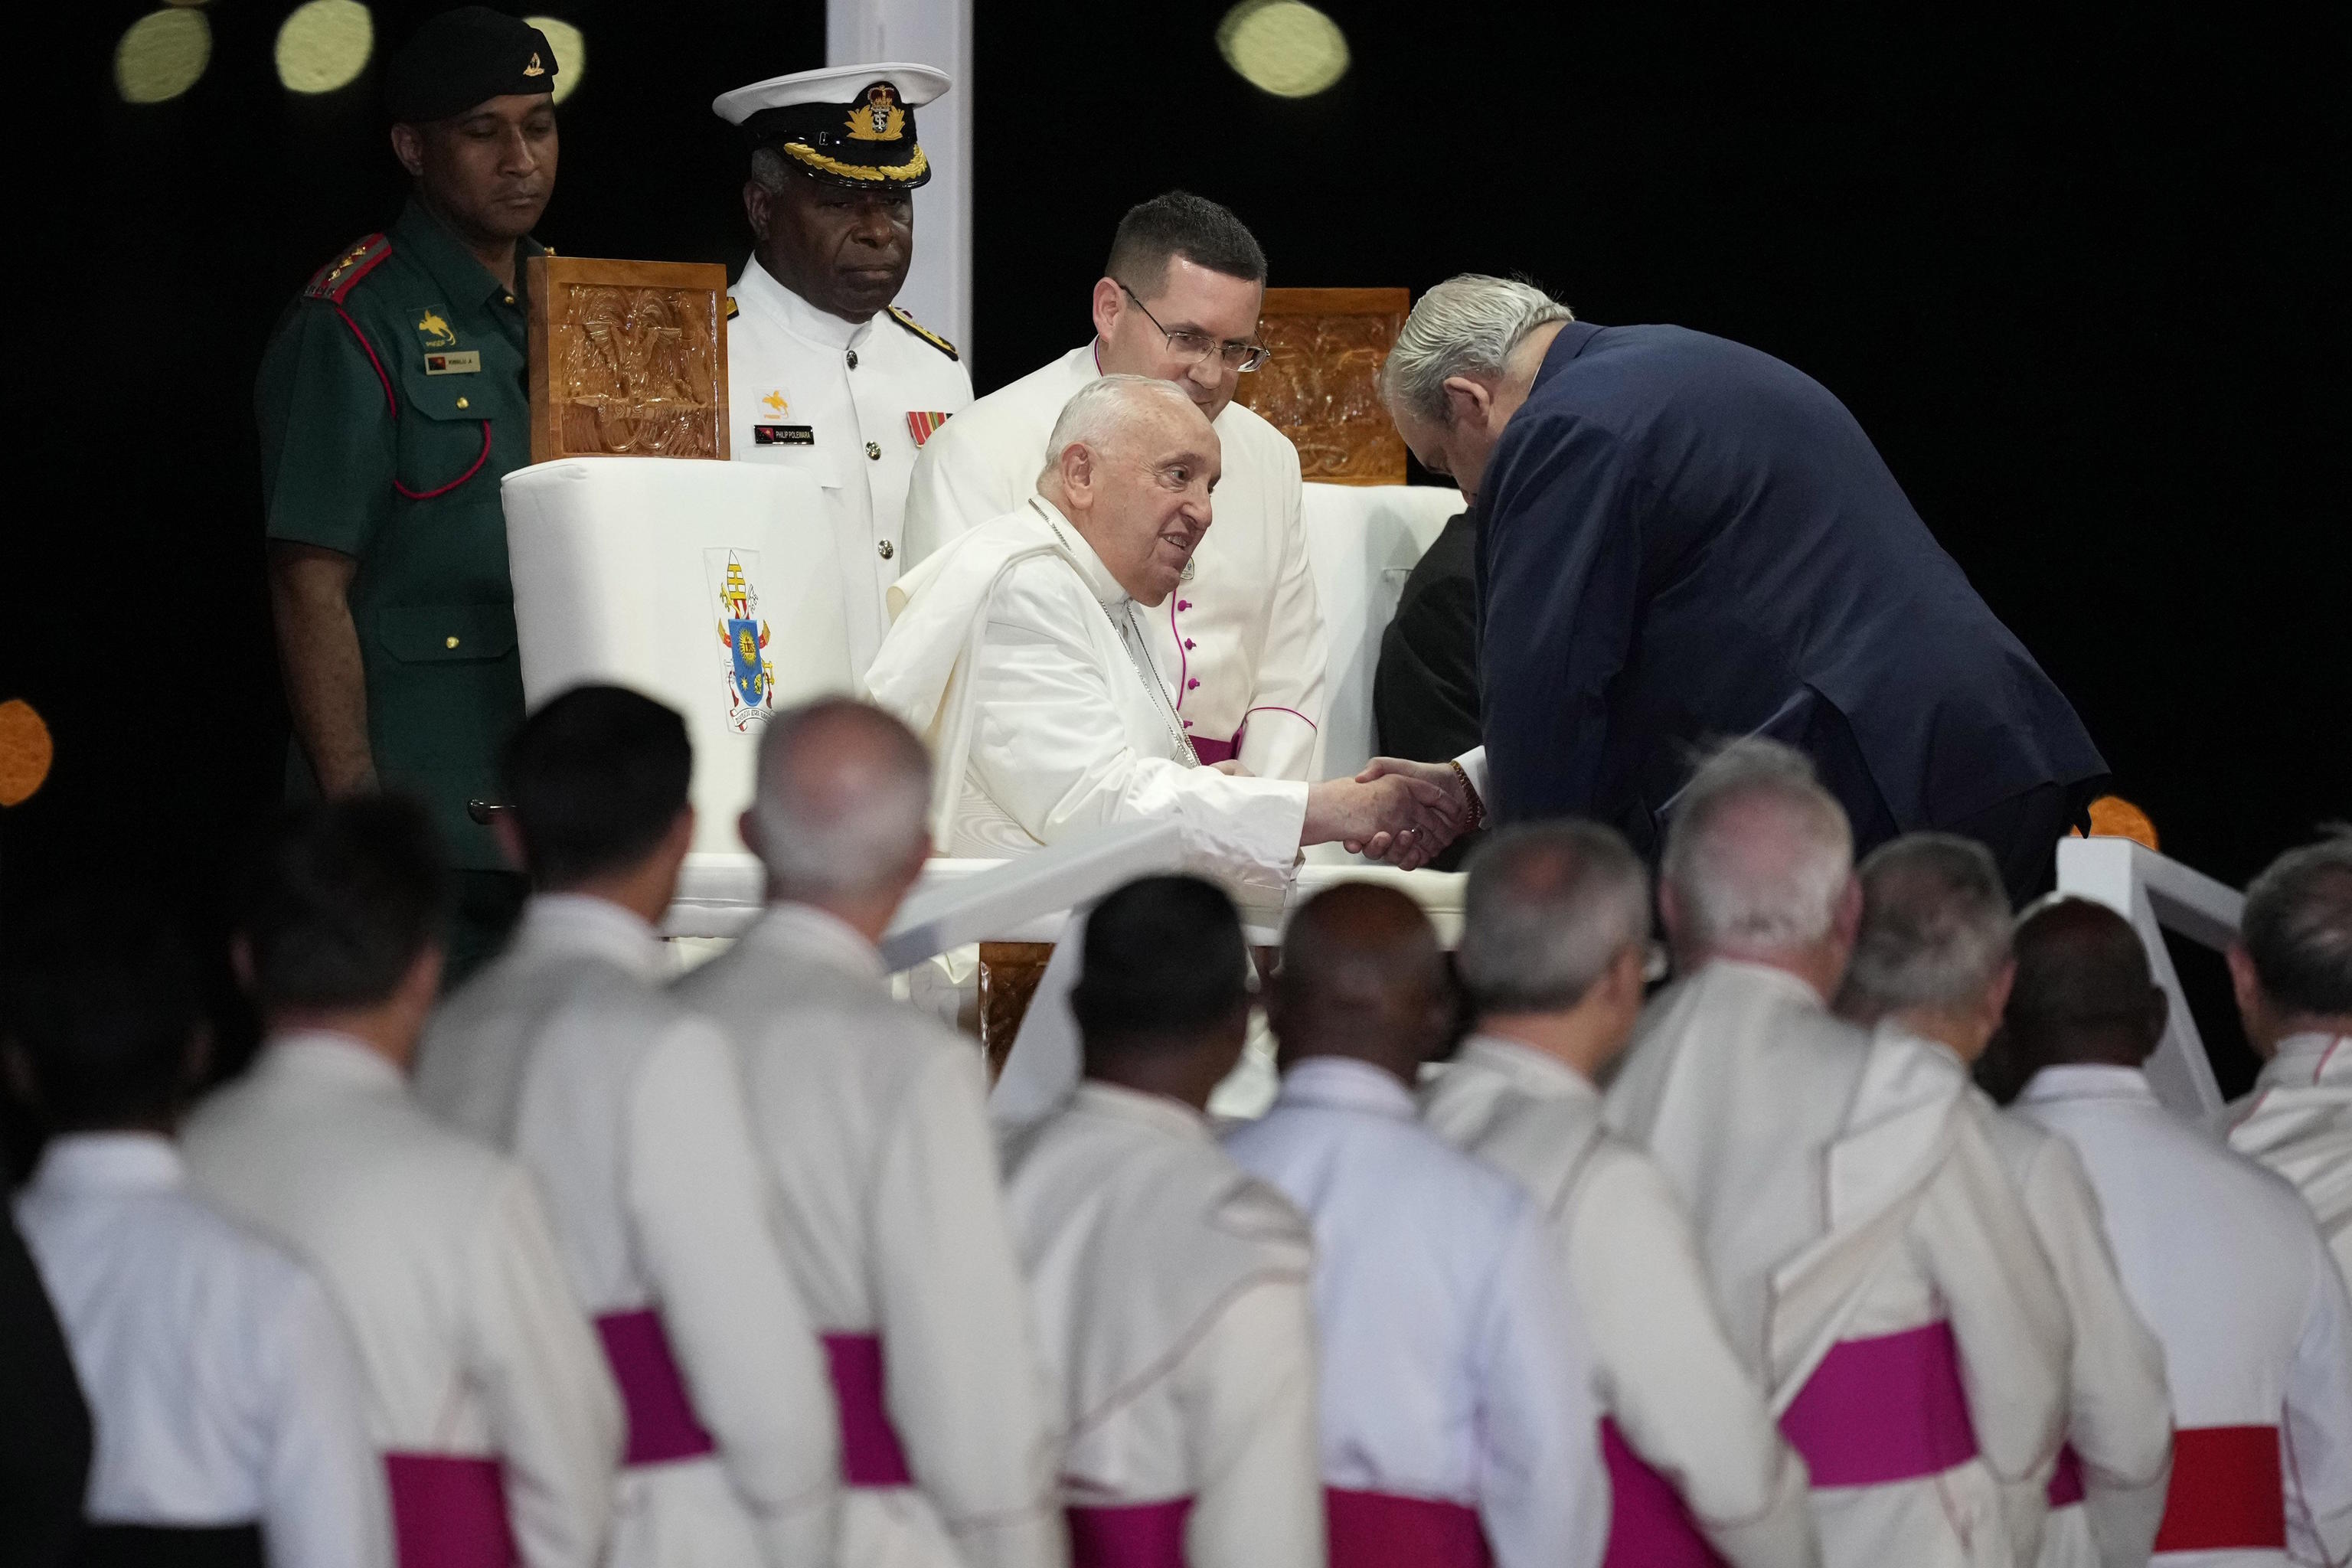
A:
(850, 403)
(2298, 1121)
(1456, 1382)
(488, 1393)
(628, 1108)
(2226, 1264)
(1020, 660)
(1240, 644)
(872, 1127)
(1684, 1409)
(1862, 1240)
(1171, 1294)
(221, 1386)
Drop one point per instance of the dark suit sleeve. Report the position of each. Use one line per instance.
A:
(43, 1425)
(1560, 591)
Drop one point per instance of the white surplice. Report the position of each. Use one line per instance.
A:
(1454, 1364)
(871, 1125)
(1241, 643)
(436, 1250)
(1171, 1292)
(2298, 1121)
(1842, 1189)
(1021, 663)
(221, 1386)
(1682, 1399)
(628, 1108)
(2226, 1264)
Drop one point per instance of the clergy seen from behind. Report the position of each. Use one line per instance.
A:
(1555, 935)
(1169, 1288)
(1932, 962)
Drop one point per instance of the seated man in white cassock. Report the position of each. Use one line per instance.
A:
(1018, 653)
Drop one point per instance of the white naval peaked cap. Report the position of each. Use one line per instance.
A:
(917, 85)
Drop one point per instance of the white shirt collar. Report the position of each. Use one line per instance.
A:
(330, 1057)
(110, 1163)
(807, 932)
(1766, 975)
(1342, 1083)
(593, 927)
(1081, 556)
(796, 315)
(2087, 1080)
(1157, 1112)
(2301, 1060)
(1531, 1070)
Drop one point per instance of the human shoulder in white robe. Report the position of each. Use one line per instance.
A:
(1841, 1190)
(1682, 1399)
(871, 1124)
(2297, 1120)
(1245, 625)
(627, 1106)
(1007, 658)
(1171, 1294)
(436, 1251)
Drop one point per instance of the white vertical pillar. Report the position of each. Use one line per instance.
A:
(934, 33)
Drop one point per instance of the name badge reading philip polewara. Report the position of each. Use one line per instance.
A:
(461, 361)
(783, 436)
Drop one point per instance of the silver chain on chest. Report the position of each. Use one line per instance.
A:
(1130, 639)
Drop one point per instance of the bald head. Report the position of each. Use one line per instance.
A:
(2083, 991)
(1362, 976)
(842, 804)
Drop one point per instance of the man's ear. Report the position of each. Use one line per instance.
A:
(409, 148)
(1468, 401)
(1109, 304)
(1670, 913)
(1996, 999)
(2244, 984)
(2159, 1012)
(1847, 922)
(759, 209)
(1076, 465)
(508, 833)
(747, 827)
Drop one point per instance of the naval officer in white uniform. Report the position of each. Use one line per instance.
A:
(823, 372)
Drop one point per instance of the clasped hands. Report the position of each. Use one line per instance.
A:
(1402, 813)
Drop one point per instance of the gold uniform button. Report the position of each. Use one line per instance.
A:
(886, 550)
(462, 404)
(874, 450)
(509, 299)
(451, 642)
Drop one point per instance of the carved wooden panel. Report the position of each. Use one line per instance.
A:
(1318, 388)
(627, 358)
(1009, 974)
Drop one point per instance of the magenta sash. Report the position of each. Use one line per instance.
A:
(1884, 1409)
(448, 1513)
(1650, 1526)
(870, 1454)
(1374, 1530)
(662, 1425)
(1212, 752)
(1130, 1535)
(2066, 1481)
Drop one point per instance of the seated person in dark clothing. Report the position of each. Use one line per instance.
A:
(1425, 689)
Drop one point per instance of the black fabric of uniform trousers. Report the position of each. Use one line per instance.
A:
(44, 1424)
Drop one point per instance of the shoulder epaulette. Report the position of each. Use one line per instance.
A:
(924, 332)
(733, 310)
(335, 280)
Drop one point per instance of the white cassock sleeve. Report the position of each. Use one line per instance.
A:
(2318, 1426)
(964, 1381)
(1545, 1493)
(323, 1499)
(740, 1333)
(1260, 1498)
(1678, 1391)
(951, 492)
(554, 1414)
(1282, 731)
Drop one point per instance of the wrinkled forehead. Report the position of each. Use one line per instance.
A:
(1179, 434)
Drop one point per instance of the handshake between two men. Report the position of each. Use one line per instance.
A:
(1402, 813)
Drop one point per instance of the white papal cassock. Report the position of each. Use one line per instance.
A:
(221, 1386)
(1240, 642)
(1021, 662)
(1171, 1293)
(2298, 1121)
(1459, 1407)
(629, 1109)
(872, 1127)
(849, 404)
(2224, 1262)
(1873, 1265)
(1697, 1469)
(487, 1396)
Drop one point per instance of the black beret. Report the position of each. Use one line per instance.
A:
(460, 58)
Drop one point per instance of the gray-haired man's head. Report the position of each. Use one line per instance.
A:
(2292, 965)
(1555, 936)
(1933, 948)
(1130, 464)
(841, 810)
(1462, 366)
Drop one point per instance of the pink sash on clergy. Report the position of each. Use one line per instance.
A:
(2228, 1492)
(1130, 1535)
(448, 1513)
(1650, 1526)
(1882, 1410)
(662, 1425)
(2066, 1481)
(870, 1454)
(1374, 1530)
(1212, 752)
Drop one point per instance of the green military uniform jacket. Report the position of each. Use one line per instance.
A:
(393, 399)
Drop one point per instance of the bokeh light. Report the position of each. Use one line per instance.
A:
(1282, 46)
(161, 55)
(25, 751)
(325, 46)
(571, 53)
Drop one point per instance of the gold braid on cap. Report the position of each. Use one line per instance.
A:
(911, 169)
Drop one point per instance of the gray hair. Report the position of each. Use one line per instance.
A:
(1096, 411)
(843, 800)
(1549, 908)
(1935, 924)
(1758, 852)
(2297, 927)
(1466, 326)
(769, 168)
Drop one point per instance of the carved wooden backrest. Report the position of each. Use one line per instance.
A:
(627, 358)
(1318, 389)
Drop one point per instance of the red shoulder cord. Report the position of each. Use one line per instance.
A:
(393, 403)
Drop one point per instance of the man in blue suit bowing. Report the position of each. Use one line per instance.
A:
(1682, 539)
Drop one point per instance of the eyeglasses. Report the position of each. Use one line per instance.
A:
(1192, 347)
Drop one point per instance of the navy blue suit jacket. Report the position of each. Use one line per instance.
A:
(1681, 539)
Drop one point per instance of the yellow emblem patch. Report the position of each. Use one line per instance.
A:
(436, 332)
(534, 68)
(774, 402)
(879, 118)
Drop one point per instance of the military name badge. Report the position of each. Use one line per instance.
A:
(921, 426)
(459, 362)
(783, 436)
(750, 679)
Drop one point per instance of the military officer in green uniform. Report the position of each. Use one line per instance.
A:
(393, 399)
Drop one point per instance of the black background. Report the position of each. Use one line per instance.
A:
(2082, 279)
